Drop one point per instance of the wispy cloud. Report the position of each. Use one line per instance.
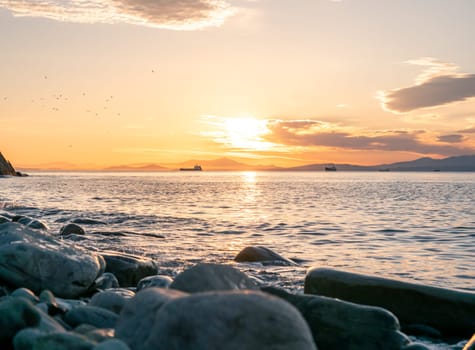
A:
(454, 138)
(437, 85)
(313, 133)
(168, 14)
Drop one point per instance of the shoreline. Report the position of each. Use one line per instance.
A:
(111, 280)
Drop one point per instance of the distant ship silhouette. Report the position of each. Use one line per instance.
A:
(330, 168)
(195, 168)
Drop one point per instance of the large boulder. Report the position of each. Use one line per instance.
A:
(137, 317)
(341, 325)
(212, 277)
(35, 260)
(129, 269)
(449, 311)
(263, 255)
(228, 320)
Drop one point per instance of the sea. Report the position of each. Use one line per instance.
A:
(412, 226)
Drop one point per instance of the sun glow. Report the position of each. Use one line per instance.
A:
(246, 133)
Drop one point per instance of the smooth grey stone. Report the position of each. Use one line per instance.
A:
(49, 324)
(138, 315)
(261, 254)
(26, 294)
(341, 325)
(105, 281)
(25, 339)
(95, 316)
(212, 277)
(158, 281)
(68, 304)
(3, 219)
(33, 223)
(53, 308)
(109, 300)
(470, 344)
(54, 341)
(449, 311)
(16, 314)
(129, 269)
(231, 320)
(71, 229)
(111, 344)
(37, 261)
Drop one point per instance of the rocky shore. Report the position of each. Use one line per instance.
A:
(56, 295)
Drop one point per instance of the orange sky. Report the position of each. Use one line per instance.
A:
(102, 83)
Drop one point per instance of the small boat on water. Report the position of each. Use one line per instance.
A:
(195, 168)
(330, 168)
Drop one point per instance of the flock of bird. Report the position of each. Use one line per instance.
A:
(59, 98)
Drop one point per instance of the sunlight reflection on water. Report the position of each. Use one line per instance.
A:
(415, 226)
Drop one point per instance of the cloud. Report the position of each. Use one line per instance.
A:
(455, 138)
(437, 85)
(306, 133)
(467, 131)
(168, 14)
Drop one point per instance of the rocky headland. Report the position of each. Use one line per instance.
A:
(56, 295)
(6, 168)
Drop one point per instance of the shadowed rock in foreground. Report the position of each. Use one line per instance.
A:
(449, 311)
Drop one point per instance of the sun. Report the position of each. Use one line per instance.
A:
(246, 133)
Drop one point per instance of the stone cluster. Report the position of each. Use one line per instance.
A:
(56, 295)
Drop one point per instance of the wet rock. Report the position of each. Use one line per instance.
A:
(105, 281)
(128, 269)
(25, 339)
(3, 219)
(157, 281)
(32, 259)
(109, 300)
(449, 311)
(26, 294)
(228, 320)
(32, 223)
(92, 315)
(341, 325)
(112, 344)
(212, 277)
(71, 229)
(15, 315)
(261, 254)
(54, 341)
(138, 315)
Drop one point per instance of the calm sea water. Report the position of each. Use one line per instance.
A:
(411, 226)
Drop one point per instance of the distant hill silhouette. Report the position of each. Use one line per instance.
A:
(458, 163)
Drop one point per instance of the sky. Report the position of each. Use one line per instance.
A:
(91, 84)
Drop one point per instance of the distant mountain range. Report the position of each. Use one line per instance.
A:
(458, 163)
